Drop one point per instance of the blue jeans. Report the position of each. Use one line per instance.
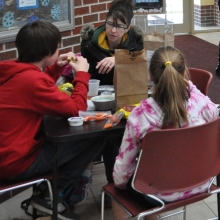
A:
(72, 158)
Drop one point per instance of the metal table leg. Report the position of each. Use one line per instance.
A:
(55, 183)
(218, 195)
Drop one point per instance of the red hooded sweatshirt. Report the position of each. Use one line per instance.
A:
(26, 95)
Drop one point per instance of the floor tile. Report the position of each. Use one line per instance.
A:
(212, 198)
(213, 207)
(200, 212)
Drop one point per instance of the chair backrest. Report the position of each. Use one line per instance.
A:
(201, 79)
(178, 159)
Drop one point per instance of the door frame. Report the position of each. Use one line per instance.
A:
(186, 26)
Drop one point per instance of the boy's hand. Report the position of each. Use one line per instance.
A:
(80, 64)
(64, 59)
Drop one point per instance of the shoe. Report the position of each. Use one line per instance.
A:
(64, 214)
(41, 190)
(80, 193)
(107, 201)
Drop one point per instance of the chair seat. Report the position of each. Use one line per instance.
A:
(135, 208)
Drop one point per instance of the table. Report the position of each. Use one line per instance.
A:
(58, 130)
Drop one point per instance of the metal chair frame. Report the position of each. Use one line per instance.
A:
(5, 187)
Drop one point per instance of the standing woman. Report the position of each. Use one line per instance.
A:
(98, 45)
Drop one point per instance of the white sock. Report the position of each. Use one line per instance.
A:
(87, 173)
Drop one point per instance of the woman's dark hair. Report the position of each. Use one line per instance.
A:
(122, 10)
(167, 67)
(37, 40)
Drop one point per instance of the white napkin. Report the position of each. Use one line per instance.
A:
(90, 105)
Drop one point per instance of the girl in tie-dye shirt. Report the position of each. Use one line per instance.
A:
(175, 103)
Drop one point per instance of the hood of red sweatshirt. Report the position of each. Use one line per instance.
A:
(10, 68)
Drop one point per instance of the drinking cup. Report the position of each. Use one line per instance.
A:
(93, 87)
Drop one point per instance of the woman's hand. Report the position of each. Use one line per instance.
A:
(106, 65)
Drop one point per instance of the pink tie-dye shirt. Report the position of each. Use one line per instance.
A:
(148, 117)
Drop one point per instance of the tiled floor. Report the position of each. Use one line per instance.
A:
(90, 209)
(213, 37)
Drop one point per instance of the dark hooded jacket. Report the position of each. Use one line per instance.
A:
(91, 50)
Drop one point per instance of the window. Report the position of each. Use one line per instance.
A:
(149, 4)
(16, 13)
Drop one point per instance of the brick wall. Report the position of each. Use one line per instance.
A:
(207, 15)
(204, 15)
(86, 11)
(217, 14)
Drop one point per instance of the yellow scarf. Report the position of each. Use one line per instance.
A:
(102, 40)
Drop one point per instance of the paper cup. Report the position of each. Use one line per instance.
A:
(93, 87)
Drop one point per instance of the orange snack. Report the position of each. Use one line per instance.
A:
(97, 117)
(100, 114)
(87, 118)
(108, 126)
(113, 120)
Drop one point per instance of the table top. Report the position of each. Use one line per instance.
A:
(57, 129)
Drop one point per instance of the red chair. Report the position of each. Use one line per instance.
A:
(172, 160)
(201, 78)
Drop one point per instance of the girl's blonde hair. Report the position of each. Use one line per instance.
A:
(171, 92)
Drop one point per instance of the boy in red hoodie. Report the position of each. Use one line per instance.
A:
(27, 94)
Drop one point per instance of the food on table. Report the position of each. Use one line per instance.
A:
(128, 109)
(108, 125)
(75, 121)
(67, 88)
(97, 117)
(114, 120)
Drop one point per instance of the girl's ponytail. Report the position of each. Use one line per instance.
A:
(171, 92)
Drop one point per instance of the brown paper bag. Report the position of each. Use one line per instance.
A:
(130, 77)
(154, 41)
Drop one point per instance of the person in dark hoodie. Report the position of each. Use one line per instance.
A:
(27, 94)
(98, 46)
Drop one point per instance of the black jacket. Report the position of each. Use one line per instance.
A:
(91, 50)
